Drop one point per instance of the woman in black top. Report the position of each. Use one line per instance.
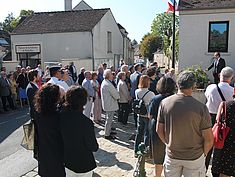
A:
(223, 163)
(50, 145)
(165, 88)
(78, 134)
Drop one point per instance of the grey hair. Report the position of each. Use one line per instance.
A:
(186, 80)
(86, 73)
(227, 73)
(106, 73)
(123, 66)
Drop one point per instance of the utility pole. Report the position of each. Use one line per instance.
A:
(173, 38)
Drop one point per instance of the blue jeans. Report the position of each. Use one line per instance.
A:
(142, 130)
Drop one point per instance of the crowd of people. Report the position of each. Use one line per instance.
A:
(64, 105)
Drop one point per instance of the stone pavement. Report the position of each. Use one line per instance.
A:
(114, 158)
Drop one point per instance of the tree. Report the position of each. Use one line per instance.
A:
(6, 24)
(10, 22)
(162, 26)
(25, 13)
(150, 44)
(168, 44)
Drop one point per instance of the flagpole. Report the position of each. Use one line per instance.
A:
(173, 38)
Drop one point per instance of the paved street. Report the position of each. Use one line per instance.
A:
(114, 158)
(14, 159)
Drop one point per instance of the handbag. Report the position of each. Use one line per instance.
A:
(28, 139)
(220, 129)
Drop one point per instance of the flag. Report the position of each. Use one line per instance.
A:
(171, 5)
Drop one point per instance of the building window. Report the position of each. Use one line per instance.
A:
(218, 36)
(109, 41)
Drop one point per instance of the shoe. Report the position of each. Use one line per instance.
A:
(113, 133)
(110, 137)
(113, 128)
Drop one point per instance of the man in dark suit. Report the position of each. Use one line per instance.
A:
(218, 64)
(31, 90)
(73, 71)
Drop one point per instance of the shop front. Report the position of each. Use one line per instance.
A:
(29, 55)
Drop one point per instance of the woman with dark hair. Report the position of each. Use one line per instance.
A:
(78, 134)
(165, 88)
(50, 144)
(151, 72)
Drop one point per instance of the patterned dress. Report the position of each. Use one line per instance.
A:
(224, 159)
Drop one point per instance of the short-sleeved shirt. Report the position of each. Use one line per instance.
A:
(184, 119)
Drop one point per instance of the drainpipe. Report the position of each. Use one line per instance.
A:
(123, 43)
(92, 51)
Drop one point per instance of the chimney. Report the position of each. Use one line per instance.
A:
(67, 5)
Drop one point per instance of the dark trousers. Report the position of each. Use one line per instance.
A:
(4, 102)
(208, 157)
(123, 112)
(216, 78)
(135, 119)
(142, 130)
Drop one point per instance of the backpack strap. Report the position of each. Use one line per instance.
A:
(145, 95)
(220, 92)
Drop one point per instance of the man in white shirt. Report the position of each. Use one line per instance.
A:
(55, 72)
(214, 99)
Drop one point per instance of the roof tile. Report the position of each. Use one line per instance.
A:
(61, 21)
(205, 4)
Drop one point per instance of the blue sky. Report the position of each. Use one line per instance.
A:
(135, 15)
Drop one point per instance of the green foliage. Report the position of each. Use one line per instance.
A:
(162, 26)
(6, 24)
(24, 13)
(150, 44)
(201, 76)
(10, 22)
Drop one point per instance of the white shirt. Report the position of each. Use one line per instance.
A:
(62, 84)
(213, 97)
(39, 71)
(139, 93)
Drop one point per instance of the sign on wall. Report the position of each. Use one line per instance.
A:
(35, 48)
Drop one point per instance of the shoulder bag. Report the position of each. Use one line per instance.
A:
(220, 129)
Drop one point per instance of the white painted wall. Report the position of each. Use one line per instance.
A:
(107, 23)
(56, 46)
(194, 31)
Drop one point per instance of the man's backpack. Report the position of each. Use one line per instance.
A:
(138, 105)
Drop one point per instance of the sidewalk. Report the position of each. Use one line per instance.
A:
(114, 158)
